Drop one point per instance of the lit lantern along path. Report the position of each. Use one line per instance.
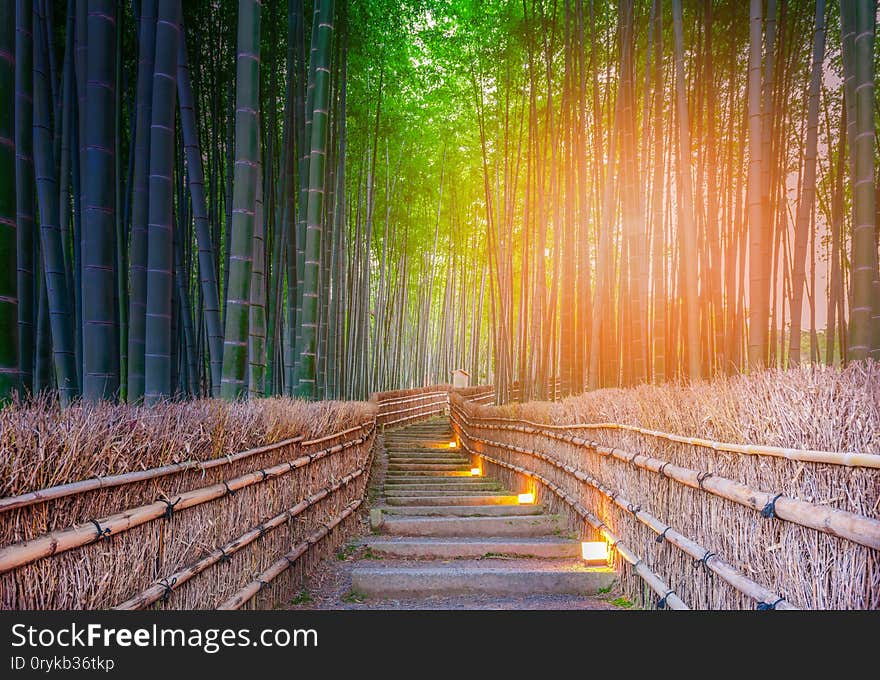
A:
(445, 531)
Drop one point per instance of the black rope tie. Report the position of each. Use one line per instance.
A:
(100, 531)
(634, 509)
(290, 560)
(263, 584)
(662, 536)
(702, 477)
(261, 529)
(169, 586)
(263, 472)
(704, 560)
(769, 510)
(662, 470)
(662, 603)
(229, 492)
(224, 556)
(765, 606)
(169, 507)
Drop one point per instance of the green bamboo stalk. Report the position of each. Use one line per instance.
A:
(257, 301)
(247, 102)
(100, 342)
(9, 369)
(196, 177)
(857, 30)
(24, 187)
(160, 230)
(58, 294)
(137, 302)
(311, 273)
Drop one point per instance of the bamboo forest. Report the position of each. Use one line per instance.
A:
(231, 198)
(579, 255)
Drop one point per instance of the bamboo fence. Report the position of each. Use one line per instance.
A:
(769, 549)
(187, 534)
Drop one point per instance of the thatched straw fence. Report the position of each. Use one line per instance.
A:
(403, 407)
(181, 506)
(752, 492)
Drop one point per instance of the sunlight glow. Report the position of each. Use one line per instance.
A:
(526, 498)
(475, 472)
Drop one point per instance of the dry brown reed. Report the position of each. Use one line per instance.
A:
(43, 446)
(810, 407)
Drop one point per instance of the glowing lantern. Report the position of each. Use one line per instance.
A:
(594, 552)
(526, 498)
(475, 472)
(452, 445)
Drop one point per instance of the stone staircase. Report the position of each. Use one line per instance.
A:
(441, 532)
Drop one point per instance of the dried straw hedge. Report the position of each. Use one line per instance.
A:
(41, 446)
(401, 407)
(815, 408)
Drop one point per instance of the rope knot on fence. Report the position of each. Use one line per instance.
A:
(765, 606)
(101, 532)
(769, 510)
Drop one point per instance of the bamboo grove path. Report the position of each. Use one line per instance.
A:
(444, 538)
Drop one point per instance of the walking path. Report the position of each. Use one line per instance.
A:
(444, 538)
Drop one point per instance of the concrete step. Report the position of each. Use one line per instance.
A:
(528, 525)
(452, 548)
(389, 479)
(464, 485)
(451, 500)
(481, 577)
(422, 467)
(463, 510)
(396, 460)
(441, 474)
(412, 493)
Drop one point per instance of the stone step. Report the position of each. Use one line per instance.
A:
(430, 479)
(429, 489)
(441, 474)
(453, 548)
(411, 493)
(480, 577)
(458, 460)
(435, 500)
(426, 466)
(528, 525)
(462, 510)
(440, 482)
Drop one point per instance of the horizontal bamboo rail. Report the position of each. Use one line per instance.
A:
(162, 588)
(846, 458)
(711, 559)
(404, 400)
(842, 523)
(668, 595)
(74, 488)
(285, 561)
(52, 543)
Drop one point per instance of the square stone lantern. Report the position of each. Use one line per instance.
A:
(460, 378)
